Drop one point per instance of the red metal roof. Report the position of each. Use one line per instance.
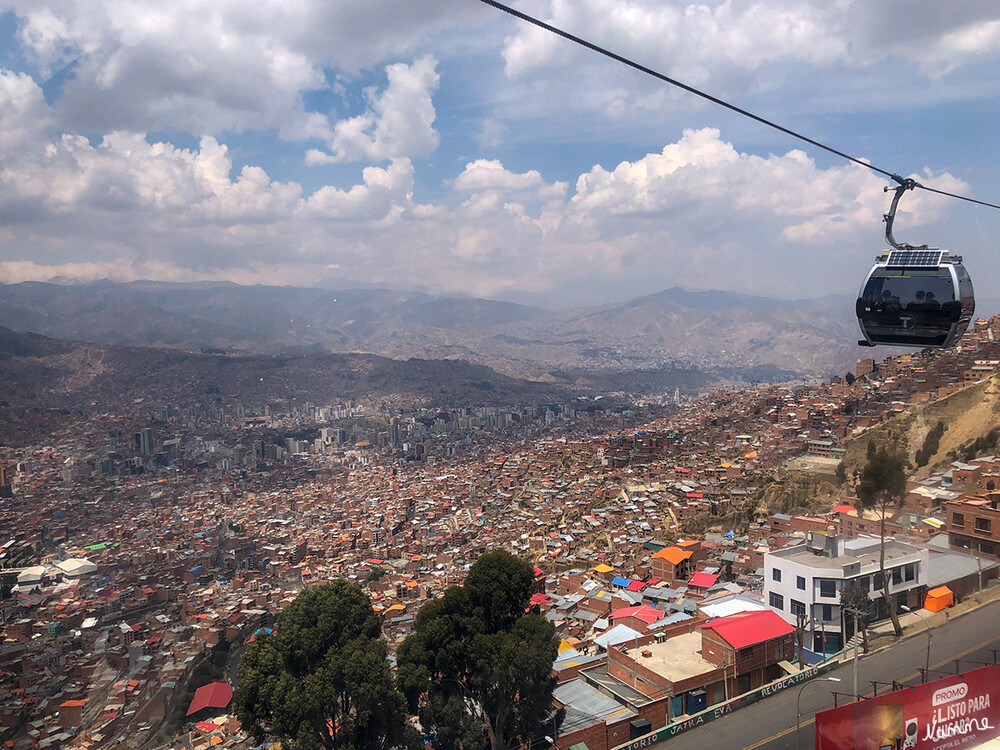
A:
(213, 695)
(748, 628)
(635, 586)
(643, 612)
(703, 580)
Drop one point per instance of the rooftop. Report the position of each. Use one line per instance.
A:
(677, 658)
(864, 550)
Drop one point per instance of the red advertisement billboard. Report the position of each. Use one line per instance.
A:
(959, 711)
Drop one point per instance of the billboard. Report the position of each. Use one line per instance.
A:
(958, 711)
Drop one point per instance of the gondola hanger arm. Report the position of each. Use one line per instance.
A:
(905, 183)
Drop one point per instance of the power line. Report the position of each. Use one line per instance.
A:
(722, 103)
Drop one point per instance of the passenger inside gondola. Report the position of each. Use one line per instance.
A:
(889, 302)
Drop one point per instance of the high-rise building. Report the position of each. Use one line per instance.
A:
(144, 444)
(5, 489)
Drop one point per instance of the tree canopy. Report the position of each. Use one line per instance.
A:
(883, 479)
(478, 667)
(882, 486)
(321, 680)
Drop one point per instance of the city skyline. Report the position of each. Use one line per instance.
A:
(453, 149)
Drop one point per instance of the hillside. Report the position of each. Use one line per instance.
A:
(47, 373)
(968, 415)
(727, 335)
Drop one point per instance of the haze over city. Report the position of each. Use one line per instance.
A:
(447, 147)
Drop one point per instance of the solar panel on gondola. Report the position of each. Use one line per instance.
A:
(914, 296)
(915, 258)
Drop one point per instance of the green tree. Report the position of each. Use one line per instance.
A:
(321, 680)
(882, 487)
(478, 667)
(930, 446)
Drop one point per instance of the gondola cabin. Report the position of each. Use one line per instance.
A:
(915, 297)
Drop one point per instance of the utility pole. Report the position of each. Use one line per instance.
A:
(799, 632)
(979, 563)
(857, 645)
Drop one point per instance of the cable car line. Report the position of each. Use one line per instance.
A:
(722, 103)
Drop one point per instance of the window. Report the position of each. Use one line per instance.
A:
(897, 576)
(746, 653)
(797, 608)
(827, 612)
(910, 572)
(777, 601)
(800, 583)
(866, 583)
(958, 520)
(983, 524)
(776, 574)
(878, 581)
(827, 587)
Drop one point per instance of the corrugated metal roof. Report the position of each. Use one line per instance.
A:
(585, 706)
(749, 628)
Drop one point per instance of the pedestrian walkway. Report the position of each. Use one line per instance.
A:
(881, 634)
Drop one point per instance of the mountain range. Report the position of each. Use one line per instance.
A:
(730, 335)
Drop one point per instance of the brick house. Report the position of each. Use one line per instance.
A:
(672, 565)
(750, 644)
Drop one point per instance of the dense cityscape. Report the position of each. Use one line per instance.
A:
(142, 552)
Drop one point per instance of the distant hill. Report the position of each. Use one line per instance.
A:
(47, 373)
(717, 332)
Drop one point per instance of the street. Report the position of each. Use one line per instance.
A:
(770, 724)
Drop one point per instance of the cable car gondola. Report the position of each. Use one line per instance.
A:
(914, 296)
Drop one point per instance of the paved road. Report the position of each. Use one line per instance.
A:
(770, 724)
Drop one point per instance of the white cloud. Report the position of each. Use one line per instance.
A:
(492, 132)
(689, 41)
(24, 115)
(490, 175)
(376, 199)
(399, 121)
(788, 60)
(206, 66)
(698, 210)
(713, 39)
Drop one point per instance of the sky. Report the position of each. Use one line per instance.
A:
(444, 146)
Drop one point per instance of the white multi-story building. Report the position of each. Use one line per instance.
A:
(808, 579)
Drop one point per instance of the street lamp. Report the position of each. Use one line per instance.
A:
(798, 711)
(927, 664)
